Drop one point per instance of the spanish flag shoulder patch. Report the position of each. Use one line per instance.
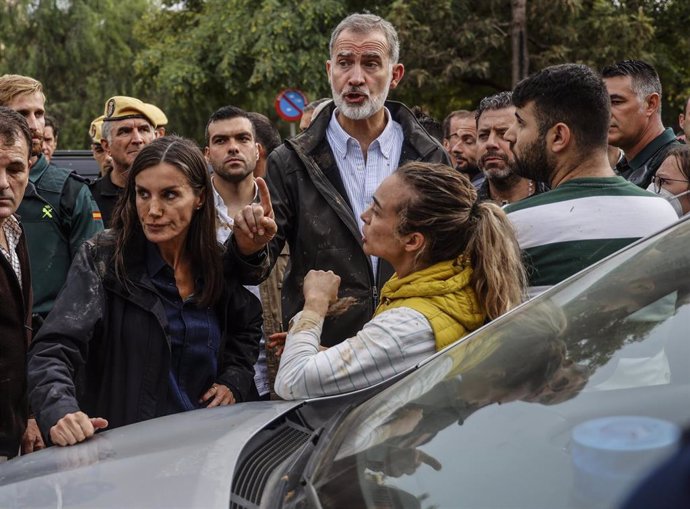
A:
(97, 215)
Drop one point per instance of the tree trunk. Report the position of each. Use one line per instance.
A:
(519, 39)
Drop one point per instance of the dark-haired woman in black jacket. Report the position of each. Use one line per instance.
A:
(147, 323)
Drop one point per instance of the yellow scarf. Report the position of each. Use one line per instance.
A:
(443, 294)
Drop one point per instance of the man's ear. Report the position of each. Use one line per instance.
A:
(206, 153)
(681, 120)
(398, 72)
(558, 138)
(106, 146)
(653, 103)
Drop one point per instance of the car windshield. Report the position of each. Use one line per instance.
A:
(565, 402)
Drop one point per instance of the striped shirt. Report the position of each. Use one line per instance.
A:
(390, 343)
(580, 222)
(360, 177)
(12, 232)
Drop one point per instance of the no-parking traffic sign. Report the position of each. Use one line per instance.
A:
(290, 104)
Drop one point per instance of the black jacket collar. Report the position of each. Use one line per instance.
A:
(418, 144)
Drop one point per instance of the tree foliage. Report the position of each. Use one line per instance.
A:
(81, 50)
(472, 56)
(193, 56)
(239, 52)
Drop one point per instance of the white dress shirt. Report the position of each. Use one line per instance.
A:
(360, 177)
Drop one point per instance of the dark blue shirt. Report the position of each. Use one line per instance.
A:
(194, 335)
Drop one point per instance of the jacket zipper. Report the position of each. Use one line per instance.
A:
(375, 285)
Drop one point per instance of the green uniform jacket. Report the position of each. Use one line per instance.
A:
(58, 214)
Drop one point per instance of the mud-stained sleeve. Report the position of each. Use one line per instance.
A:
(282, 186)
(249, 270)
(390, 343)
(61, 346)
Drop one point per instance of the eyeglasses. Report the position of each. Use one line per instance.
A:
(660, 181)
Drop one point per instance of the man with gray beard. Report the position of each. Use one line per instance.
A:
(321, 181)
(494, 116)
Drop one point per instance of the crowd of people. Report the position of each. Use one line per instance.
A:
(254, 268)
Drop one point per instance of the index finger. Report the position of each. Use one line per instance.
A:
(265, 197)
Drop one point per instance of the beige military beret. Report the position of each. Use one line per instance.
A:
(121, 107)
(95, 130)
(157, 115)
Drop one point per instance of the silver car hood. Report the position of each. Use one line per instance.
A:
(182, 460)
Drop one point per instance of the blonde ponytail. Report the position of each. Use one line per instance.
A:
(499, 275)
(443, 208)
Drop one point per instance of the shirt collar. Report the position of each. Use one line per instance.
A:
(12, 230)
(387, 138)
(159, 270)
(154, 261)
(385, 141)
(640, 159)
(221, 209)
(38, 169)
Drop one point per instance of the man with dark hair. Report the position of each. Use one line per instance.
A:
(560, 136)
(128, 126)
(634, 89)
(232, 151)
(460, 141)
(494, 116)
(58, 212)
(322, 180)
(268, 138)
(50, 137)
(15, 284)
(684, 122)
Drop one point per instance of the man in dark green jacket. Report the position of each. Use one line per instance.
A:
(636, 126)
(59, 212)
